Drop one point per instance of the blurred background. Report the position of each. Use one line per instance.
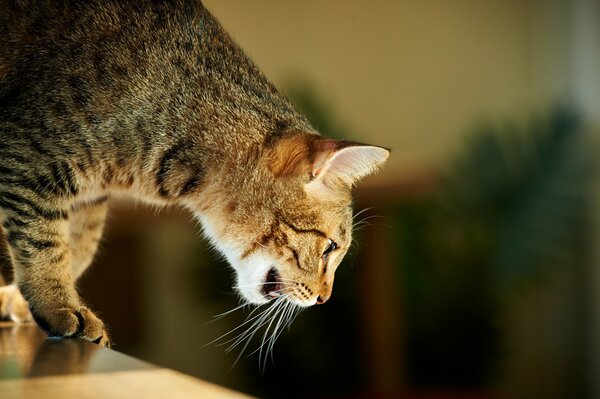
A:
(477, 269)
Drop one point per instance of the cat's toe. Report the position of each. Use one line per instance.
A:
(92, 328)
(4, 297)
(104, 340)
(73, 323)
(12, 305)
(18, 309)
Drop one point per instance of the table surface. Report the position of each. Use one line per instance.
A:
(34, 366)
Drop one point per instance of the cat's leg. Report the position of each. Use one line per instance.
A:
(86, 225)
(12, 305)
(38, 234)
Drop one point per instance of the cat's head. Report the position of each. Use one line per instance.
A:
(285, 222)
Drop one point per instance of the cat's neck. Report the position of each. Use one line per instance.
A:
(212, 112)
(235, 98)
(235, 110)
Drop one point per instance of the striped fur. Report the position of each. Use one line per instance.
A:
(152, 98)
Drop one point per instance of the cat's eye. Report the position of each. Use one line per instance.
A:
(331, 246)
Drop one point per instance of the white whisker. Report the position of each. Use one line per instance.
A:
(271, 319)
(364, 220)
(221, 315)
(266, 333)
(361, 212)
(248, 320)
(250, 332)
(277, 331)
(266, 283)
(261, 321)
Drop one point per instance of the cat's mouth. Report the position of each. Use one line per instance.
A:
(272, 286)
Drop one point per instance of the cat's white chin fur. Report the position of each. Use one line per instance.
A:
(250, 272)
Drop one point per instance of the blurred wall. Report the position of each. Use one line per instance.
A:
(415, 75)
(410, 75)
(585, 55)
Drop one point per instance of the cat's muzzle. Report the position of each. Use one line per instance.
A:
(272, 286)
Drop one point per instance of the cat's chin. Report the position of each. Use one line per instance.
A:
(251, 294)
(259, 282)
(252, 275)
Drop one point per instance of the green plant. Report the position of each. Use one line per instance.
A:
(512, 207)
(522, 193)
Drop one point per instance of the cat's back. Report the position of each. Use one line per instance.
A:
(64, 58)
(109, 70)
(42, 41)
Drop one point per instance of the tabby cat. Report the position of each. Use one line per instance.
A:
(154, 99)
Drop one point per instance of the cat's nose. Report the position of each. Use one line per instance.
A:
(321, 299)
(325, 293)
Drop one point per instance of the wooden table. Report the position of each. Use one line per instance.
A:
(33, 366)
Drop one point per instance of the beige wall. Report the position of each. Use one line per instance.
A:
(415, 75)
(411, 75)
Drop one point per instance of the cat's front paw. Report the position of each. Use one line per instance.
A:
(13, 306)
(73, 323)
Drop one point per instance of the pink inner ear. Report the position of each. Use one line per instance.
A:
(320, 163)
(323, 150)
(347, 162)
(339, 164)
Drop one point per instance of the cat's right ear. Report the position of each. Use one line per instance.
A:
(329, 165)
(291, 155)
(339, 165)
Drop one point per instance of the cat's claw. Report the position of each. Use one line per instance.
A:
(63, 322)
(79, 323)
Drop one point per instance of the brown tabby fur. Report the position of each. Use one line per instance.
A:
(151, 98)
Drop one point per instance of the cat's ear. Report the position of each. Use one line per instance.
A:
(337, 164)
(329, 165)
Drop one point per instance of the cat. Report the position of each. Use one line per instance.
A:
(154, 99)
